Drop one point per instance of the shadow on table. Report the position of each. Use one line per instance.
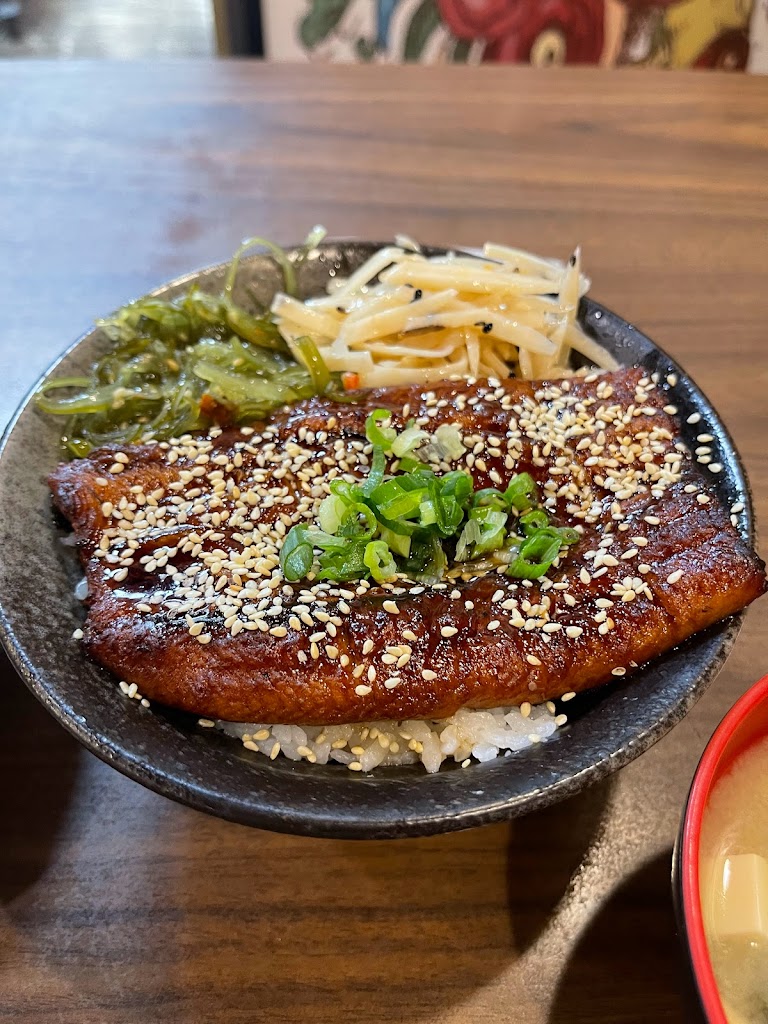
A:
(397, 931)
(628, 959)
(38, 765)
(545, 851)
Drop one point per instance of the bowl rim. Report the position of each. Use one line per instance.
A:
(500, 806)
(701, 788)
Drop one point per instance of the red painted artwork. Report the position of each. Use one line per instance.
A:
(539, 32)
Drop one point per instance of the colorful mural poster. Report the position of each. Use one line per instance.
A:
(724, 34)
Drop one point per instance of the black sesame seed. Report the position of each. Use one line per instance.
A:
(487, 328)
(417, 295)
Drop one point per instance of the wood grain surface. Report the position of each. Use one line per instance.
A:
(119, 907)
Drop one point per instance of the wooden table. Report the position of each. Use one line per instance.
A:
(119, 907)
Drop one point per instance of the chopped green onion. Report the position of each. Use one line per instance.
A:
(378, 436)
(539, 550)
(398, 543)
(326, 541)
(534, 520)
(358, 521)
(376, 472)
(349, 493)
(408, 441)
(331, 512)
(378, 558)
(520, 492)
(491, 497)
(402, 522)
(296, 554)
(348, 564)
(448, 439)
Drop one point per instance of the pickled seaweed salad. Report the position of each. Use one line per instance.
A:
(180, 365)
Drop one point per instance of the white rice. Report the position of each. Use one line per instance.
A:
(467, 736)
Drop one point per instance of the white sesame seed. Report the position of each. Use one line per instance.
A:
(78, 634)
(362, 690)
(568, 696)
(116, 467)
(573, 632)
(694, 418)
(391, 607)
(204, 638)
(447, 631)
(355, 766)
(675, 576)
(532, 659)
(494, 625)
(428, 674)
(715, 467)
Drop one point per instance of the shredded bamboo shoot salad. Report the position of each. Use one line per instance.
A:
(407, 318)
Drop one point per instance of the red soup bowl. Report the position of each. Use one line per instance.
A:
(744, 725)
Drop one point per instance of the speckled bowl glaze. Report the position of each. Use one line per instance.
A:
(169, 753)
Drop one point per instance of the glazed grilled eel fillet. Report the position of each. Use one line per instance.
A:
(180, 544)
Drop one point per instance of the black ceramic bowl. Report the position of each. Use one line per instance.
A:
(168, 752)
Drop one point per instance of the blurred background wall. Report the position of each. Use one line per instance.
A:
(124, 29)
